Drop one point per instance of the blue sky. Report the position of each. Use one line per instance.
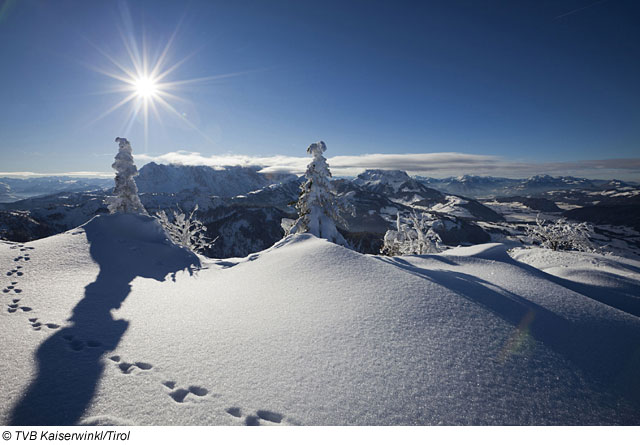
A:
(475, 87)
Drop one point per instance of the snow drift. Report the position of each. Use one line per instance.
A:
(110, 323)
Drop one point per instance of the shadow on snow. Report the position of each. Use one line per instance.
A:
(70, 362)
(607, 351)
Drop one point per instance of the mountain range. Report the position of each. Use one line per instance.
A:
(490, 187)
(244, 208)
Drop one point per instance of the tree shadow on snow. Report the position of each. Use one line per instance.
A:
(623, 294)
(70, 362)
(606, 350)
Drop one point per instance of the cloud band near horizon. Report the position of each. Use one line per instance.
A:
(425, 164)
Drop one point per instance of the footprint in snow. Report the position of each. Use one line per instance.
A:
(270, 417)
(180, 394)
(14, 307)
(76, 344)
(37, 325)
(8, 289)
(128, 368)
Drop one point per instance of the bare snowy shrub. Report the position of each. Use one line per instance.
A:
(318, 206)
(561, 235)
(186, 230)
(125, 199)
(416, 237)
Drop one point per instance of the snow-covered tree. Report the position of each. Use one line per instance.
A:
(125, 199)
(318, 206)
(561, 235)
(416, 237)
(186, 230)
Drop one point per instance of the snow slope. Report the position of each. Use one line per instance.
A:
(611, 279)
(115, 325)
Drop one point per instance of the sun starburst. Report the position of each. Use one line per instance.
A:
(146, 87)
(149, 86)
(144, 82)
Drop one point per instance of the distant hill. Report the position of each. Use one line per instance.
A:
(491, 187)
(15, 189)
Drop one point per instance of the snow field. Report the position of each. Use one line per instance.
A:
(305, 332)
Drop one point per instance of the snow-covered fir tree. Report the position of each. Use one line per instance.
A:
(415, 238)
(186, 230)
(318, 206)
(562, 235)
(125, 197)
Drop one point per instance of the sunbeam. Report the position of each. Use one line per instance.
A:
(145, 81)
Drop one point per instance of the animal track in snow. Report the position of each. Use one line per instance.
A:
(36, 325)
(128, 368)
(254, 419)
(78, 345)
(198, 390)
(269, 416)
(8, 289)
(13, 307)
(193, 392)
(144, 366)
(180, 394)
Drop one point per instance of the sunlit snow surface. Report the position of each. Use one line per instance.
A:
(308, 332)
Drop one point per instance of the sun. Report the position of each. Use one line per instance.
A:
(144, 81)
(146, 87)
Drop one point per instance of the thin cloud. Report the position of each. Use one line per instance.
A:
(427, 164)
(437, 165)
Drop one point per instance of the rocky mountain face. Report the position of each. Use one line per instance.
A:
(225, 182)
